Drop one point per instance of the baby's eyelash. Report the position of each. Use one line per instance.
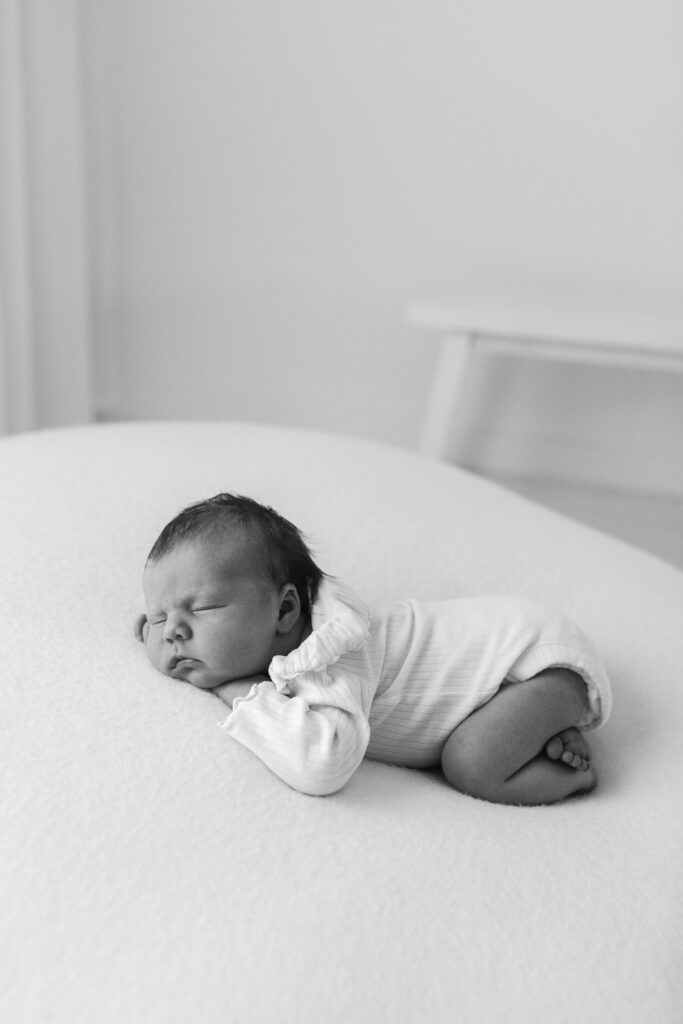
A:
(202, 608)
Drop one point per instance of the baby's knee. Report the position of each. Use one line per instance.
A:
(467, 768)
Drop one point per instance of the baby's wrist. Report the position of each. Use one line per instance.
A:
(229, 692)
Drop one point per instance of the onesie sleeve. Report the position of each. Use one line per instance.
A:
(312, 731)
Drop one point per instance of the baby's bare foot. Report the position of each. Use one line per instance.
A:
(570, 747)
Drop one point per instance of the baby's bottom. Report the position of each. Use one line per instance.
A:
(522, 747)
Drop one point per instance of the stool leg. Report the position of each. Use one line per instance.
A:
(437, 436)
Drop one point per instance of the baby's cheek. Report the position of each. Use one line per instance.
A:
(153, 648)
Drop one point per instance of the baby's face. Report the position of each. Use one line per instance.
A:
(211, 618)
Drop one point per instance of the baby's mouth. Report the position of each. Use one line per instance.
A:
(182, 662)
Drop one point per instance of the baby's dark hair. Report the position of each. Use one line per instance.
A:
(287, 558)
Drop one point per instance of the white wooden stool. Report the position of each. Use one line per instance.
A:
(539, 327)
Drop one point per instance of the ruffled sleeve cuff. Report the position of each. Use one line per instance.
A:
(340, 623)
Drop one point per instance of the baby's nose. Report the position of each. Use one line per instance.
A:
(175, 629)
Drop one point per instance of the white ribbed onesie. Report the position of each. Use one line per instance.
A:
(392, 686)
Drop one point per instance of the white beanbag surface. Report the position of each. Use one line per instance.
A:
(153, 870)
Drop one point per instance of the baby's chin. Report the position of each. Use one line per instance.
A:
(190, 670)
(201, 684)
(205, 677)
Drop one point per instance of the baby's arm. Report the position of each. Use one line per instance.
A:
(313, 733)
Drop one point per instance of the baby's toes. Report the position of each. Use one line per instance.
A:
(575, 761)
(570, 747)
(554, 748)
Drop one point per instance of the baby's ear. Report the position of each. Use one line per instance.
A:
(141, 626)
(290, 608)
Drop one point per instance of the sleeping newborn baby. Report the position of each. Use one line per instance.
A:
(497, 691)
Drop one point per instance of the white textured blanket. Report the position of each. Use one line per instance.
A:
(153, 870)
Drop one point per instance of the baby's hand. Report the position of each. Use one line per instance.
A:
(228, 692)
(141, 628)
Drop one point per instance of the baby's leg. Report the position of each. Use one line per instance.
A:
(499, 751)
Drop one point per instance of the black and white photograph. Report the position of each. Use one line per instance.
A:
(341, 512)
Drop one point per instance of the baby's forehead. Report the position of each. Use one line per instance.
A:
(237, 552)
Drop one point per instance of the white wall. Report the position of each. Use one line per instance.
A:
(272, 181)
